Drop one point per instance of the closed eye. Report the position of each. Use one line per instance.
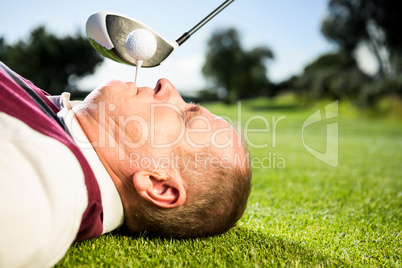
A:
(190, 113)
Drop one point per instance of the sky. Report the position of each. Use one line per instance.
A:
(291, 28)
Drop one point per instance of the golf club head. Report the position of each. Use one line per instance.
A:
(107, 32)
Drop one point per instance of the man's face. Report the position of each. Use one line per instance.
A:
(147, 125)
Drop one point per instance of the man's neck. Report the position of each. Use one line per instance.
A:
(107, 148)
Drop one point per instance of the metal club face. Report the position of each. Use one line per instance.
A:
(107, 32)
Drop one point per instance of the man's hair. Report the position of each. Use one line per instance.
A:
(216, 200)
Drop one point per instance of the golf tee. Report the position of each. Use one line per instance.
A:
(138, 64)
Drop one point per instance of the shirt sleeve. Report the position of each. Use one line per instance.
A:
(42, 196)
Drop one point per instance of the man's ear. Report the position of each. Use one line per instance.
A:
(163, 190)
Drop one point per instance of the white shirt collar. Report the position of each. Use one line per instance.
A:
(113, 215)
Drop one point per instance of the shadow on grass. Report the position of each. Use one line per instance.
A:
(244, 247)
(240, 247)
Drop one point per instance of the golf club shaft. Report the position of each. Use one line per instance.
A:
(186, 35)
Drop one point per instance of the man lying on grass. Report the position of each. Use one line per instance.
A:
(140, 158)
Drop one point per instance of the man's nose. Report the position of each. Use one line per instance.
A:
(164, 90)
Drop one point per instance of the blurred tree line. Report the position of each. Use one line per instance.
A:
(235, 72)
(349, 24)
(50, 62)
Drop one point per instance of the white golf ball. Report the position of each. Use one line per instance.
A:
(141, 44)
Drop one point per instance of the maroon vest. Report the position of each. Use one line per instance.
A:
(16, 102)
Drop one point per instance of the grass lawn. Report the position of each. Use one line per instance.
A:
(301, 212)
